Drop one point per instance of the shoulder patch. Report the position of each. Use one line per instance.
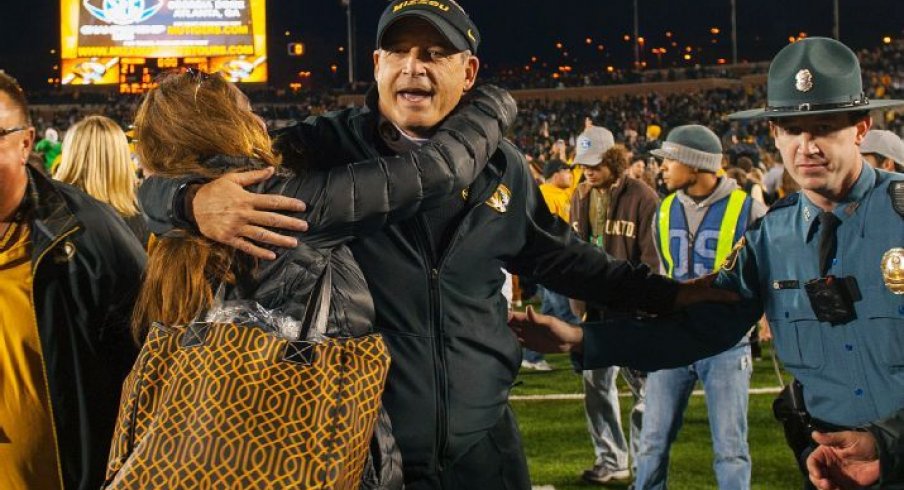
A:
(896, 192)
(787, 201)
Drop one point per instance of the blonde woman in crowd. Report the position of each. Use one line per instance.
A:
(96, 159)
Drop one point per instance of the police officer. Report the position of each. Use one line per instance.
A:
(826, 265)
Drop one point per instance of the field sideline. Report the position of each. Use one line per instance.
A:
(550, 413)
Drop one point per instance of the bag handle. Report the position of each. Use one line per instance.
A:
(301, 351)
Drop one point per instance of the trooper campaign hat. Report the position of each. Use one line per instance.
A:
(446, 16)
(693, 145)
(813, 76)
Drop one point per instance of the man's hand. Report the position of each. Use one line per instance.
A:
(225, 212)
(701, 290)
(843, 460)
(543, 333)
(765, 332)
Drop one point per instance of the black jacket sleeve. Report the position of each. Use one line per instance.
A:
(349, 200)
(559, 260)
(889, 434)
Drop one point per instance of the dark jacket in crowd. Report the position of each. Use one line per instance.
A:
(437, 298)
(87, 268)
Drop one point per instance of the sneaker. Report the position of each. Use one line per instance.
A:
(542, 365)
(600, 475)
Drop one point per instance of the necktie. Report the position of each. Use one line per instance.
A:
(828, 242)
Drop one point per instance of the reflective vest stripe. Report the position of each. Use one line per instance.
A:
(664, 245)
(729, 226)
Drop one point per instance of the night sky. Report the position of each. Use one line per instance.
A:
(512, 30)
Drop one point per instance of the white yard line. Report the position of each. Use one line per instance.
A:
(774, 390)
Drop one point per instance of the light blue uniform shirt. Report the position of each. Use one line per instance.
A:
(852, 373)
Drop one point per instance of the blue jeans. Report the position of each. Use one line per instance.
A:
(601, 407)
(726, 381)
(556, 305)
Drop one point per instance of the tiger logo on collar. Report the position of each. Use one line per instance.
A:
(500, 199)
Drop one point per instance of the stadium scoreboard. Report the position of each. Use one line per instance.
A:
(127, 42)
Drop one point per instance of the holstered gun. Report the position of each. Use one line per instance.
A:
(789, 409)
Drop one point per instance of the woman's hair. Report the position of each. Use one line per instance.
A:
(180, 125)
(96, 159)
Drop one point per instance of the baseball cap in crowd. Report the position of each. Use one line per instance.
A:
(816, 75)
(693, 145)
(445, 15)
(592, 144)
(886, 144)
(552, 167)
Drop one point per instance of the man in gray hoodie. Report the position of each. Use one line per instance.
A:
(694, 229)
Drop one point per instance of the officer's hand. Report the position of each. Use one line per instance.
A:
(543, 333)
(843, 460)
(225, 212)
(701, 290)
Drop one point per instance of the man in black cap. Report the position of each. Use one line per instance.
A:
(826, 265)
(435, 278)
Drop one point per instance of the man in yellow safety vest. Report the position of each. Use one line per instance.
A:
(695, 229)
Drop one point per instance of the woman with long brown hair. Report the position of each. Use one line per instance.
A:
(202, 125)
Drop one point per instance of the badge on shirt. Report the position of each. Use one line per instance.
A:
(500, 199)
(893, 270)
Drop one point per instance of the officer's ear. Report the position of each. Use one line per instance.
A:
(773, 129)
(863, 126)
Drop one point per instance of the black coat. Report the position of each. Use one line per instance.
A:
(87, 268)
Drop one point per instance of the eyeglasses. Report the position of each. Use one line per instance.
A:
(4, 132)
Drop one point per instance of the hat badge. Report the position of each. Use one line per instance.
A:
(803, 81)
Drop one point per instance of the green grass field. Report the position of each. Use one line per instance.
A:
(558, 446)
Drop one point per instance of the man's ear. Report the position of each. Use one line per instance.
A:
(376, 62)
(471, 69)
(28, 142)
(863, 126)
(773, 130)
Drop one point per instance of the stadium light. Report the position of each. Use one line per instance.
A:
(886, 39)
(296, 49)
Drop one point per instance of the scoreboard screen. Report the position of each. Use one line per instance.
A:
(96, 34)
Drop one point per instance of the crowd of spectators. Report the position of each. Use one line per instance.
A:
(633, 119)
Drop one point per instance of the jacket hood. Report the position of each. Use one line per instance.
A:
(725, 186)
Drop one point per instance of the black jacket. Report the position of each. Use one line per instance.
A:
(453, 357)
(87, 268)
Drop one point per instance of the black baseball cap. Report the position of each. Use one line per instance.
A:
(552, 167)
(445, 15)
